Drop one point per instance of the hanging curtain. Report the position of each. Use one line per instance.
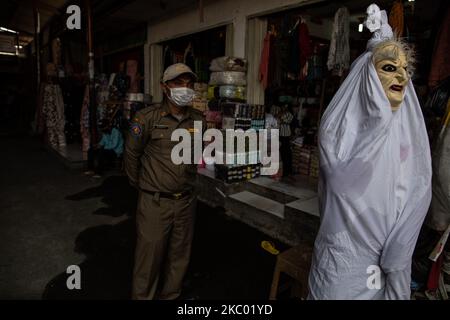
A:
(156, 71)
(229, 48)
(257, 29)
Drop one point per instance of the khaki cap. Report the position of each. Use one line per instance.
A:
(176, 70)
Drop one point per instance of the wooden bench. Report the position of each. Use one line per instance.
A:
(295, 262)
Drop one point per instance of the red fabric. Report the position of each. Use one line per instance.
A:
(435, 273)
(305, 47)
(265, 58)
(440, 64)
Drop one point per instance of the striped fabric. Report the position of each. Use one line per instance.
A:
(285, 124)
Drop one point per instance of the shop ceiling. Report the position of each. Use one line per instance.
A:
(423, 12)
(110, 17)
(18, 15)
(114, 17)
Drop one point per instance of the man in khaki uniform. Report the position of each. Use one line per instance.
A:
(166, 205)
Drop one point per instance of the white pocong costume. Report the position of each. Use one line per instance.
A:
(375, 188)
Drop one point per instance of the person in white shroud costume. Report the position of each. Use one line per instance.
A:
(375, 176)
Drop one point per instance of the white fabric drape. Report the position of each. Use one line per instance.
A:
(375, 189)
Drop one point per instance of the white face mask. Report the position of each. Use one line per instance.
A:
(182, 96)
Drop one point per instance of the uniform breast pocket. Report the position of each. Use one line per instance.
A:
(161, 138)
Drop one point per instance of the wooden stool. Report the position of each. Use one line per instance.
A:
(294, 262)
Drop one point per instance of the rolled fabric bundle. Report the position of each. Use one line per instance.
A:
(228, 78)
(232, 92)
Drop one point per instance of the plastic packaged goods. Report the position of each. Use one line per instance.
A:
(232, 92)
(228, 64)
(237, 173)
(200, 87)
(228, 78)
(200, 104)
(212, 92)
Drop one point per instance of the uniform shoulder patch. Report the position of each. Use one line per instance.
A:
(136, 129)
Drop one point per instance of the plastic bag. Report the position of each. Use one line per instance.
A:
(232, 92)
(228, 64)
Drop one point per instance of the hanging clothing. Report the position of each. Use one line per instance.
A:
(168, 57)
(53, 112)
(339, 54)
(112, 141)
(396, 20)
(294, 45)
(189, 58)
(271, 122)
(285, 124)
(178, 57)
(305, 49)
(439, 215)
(440, 63)
(264, 67)
(374, 188)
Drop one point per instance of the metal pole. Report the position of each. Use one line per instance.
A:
(37, 46)
(92, 100)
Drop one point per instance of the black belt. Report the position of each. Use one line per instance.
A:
(173, 196)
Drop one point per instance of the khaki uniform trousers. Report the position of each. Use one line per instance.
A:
(165, 229)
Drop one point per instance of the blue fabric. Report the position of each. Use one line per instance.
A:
(113, 141)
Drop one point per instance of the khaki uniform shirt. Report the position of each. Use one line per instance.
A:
(147, 157)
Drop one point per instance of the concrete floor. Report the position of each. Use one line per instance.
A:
(51, 218)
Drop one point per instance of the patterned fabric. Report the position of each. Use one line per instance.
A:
(53, 112)
(84, 124)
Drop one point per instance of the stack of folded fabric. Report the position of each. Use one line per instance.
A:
(314, 164)
(213, 119)
(296, 147)
(301, 159)
(229, 74)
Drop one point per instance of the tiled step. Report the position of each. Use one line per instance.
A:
(303, 216)
(260, 203)
(280, 191)
(258, 212)
(310, 206)
(213, 191)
